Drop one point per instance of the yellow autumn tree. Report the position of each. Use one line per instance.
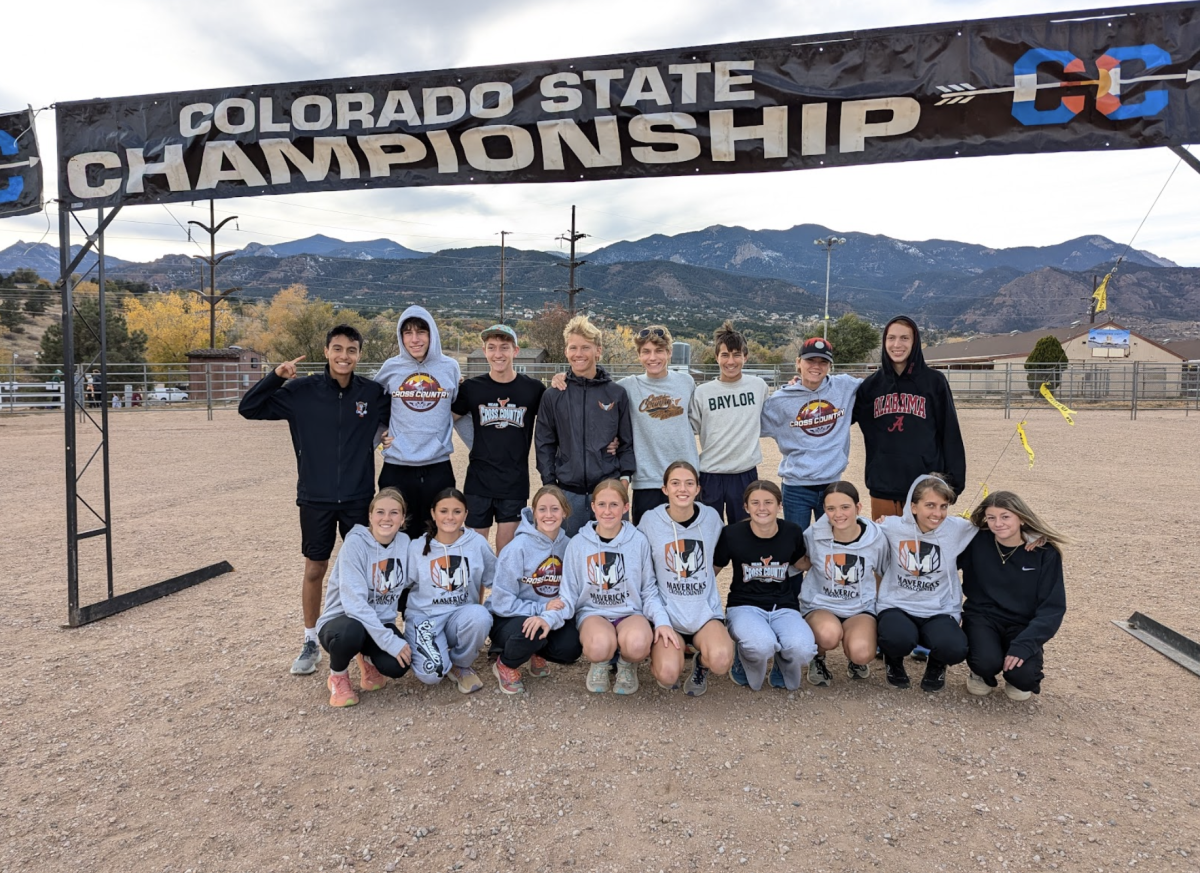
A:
(175, 323)
(291, 324)
(619, 347)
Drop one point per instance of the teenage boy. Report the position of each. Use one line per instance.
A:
(725, 413)
(502, 404)
(909, 425)
(336, 419)
(423, 383)
(576, 425)
(810, 420)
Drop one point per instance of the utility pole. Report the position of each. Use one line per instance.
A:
(503, 234)
(1091, 300)
(829, 243)
(572, 290)
(212, 298)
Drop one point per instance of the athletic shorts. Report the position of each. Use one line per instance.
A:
(481, 511)
(320, 525)
(842, 618)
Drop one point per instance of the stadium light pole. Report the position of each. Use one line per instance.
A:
(829, 243)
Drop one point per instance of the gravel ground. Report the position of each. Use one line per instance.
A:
(171, 737)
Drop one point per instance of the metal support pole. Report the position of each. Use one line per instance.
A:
(69, 398)
(1134, 403)
(828, 264)
(103, 332)
(1008, 390)
(208, 387)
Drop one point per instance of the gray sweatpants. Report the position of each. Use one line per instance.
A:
(443, 641)
(761, 635)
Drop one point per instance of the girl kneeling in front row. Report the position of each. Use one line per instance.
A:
(448, 568)
(359, 619)
(848, 555)
(1015, 594)
(608, 585)
(526, 600)
(683, 537)
(763, 609)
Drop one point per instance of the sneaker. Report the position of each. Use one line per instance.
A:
(597, 678)
(538, 667)
(935, 676)
(1014, 693)
(776, 678)
(665, 687)
(468, 680)
(976, 686)
(627, 681)
(737, 672)
(369, 678)
(897, 676)
(509, 679)
(697, 683)
(818, 672)
(306, 662)
(920, 653)
(340, 692)
(858, 671)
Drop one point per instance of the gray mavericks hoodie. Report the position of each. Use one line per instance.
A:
(812, 429)
(365, 585)
(611, 580)
(922, 569)
(843, 575)
(529, 574)
(422, 392)
(683, 565)
(449, 576)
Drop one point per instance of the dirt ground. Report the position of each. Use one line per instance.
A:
(172, 738)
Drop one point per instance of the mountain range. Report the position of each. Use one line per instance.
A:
(701, 276)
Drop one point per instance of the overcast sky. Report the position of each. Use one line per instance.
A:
(129, 47)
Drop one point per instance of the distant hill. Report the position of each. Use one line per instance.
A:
(332, 248)
(43, 257)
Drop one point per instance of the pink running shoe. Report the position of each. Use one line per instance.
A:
(340, 692)
(509, 679)
(369, 678)
(538, 667)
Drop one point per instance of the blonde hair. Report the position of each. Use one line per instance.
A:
(389, 494)
(581, 326)
(1030, 523)
(611, 485)
(555, 492)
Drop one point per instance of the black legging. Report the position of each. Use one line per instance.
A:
(560, 646)
(344, 637)
(900, 632)
(988, 641)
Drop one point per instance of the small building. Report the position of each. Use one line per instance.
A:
(477, 364)
(230, 372)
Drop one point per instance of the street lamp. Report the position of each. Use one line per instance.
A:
(829, 243)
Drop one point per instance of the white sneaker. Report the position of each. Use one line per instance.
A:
(627, 681)
(1016, 693)
(976, 686)
(597, 678)
(306, 662)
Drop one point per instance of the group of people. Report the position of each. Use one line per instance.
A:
(615, 558)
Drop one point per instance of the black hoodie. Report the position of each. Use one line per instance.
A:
(574, 428)
(908, 423)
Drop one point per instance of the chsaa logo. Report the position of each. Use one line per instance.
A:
(11, 190)
(420, 392)
(1112, 99)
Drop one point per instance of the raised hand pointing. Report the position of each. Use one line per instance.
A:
(287, 370)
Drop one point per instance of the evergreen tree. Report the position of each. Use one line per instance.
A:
(124, 346)
(11, 316)
(1045, 364)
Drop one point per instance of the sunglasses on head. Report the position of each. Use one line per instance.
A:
(647, 332)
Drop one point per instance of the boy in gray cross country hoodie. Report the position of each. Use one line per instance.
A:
(422, 382)
(920, 595)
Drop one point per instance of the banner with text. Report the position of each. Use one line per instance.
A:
(1107, 79)
(20, 165)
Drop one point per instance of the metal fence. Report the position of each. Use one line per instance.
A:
(215, 384)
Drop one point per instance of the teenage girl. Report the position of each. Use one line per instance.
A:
(848, 555)
(683, 536)
(763, 609)
(1015, 596)
(359, 619)
(608, 585)
(920, 597)
(448, 568)
(530, 621)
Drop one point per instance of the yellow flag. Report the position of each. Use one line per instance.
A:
(966, 513)
(1025, 441)
(1066, 412)
(1100, 295)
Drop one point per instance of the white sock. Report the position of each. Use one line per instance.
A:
(339, 672)
(310, 635)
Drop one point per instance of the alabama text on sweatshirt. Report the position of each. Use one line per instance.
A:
(726, 415)
(422, 392)
(529, 574)
(683, 556)
(843, 578)
(812, 428)
(1024, 589)
(922, 569)
(611, 580)
(662, 433)
(365, 585)
(449, 576)
(909, 424)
